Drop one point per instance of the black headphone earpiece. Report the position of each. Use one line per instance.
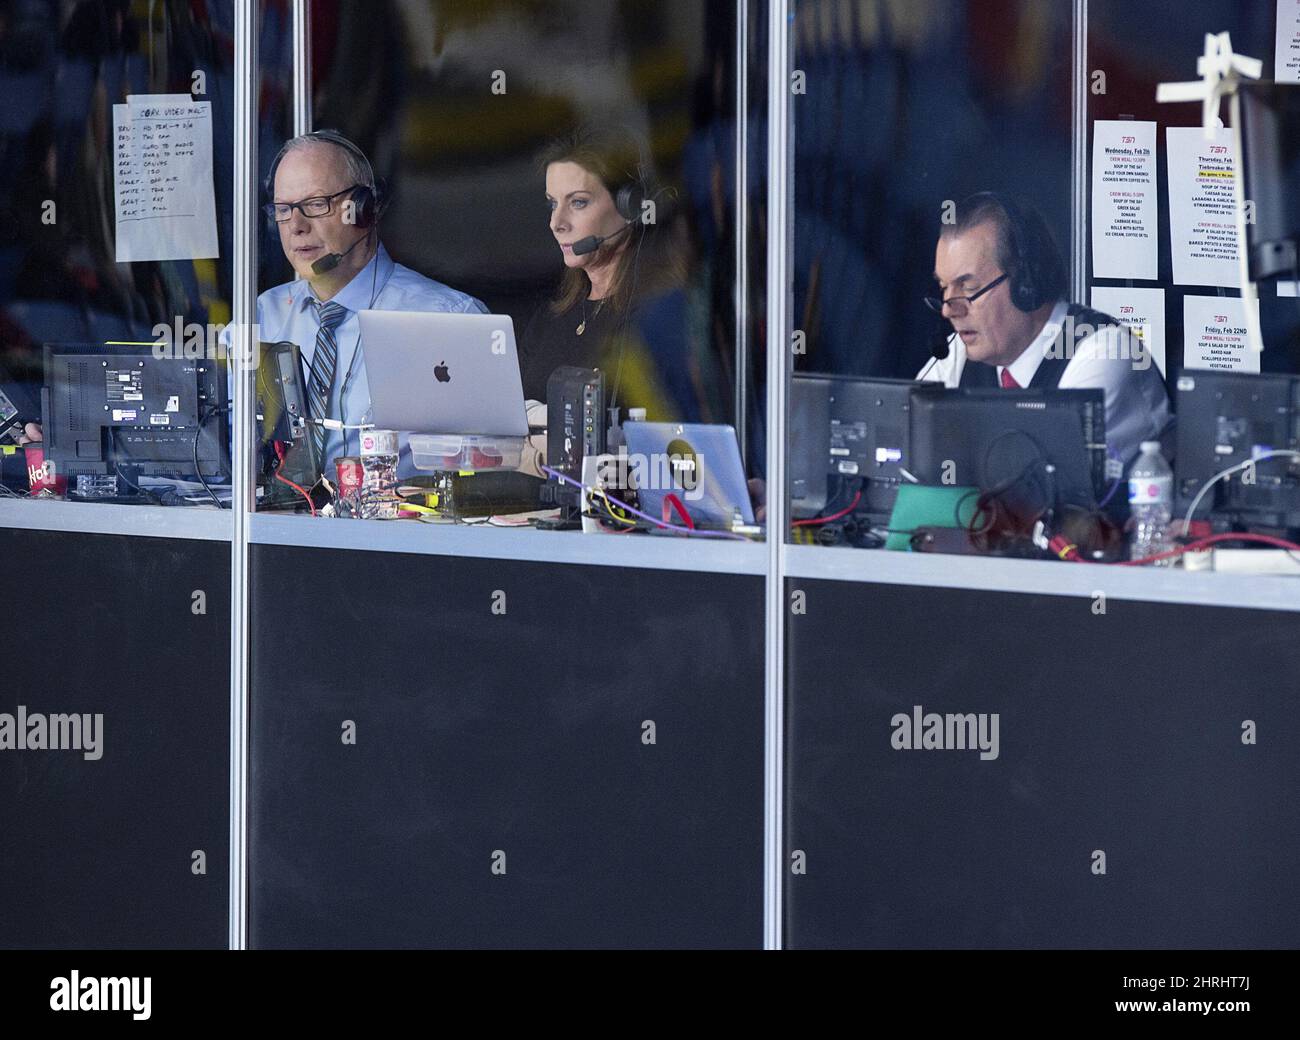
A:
(630, 197)
(1025, 277)
(368, 204)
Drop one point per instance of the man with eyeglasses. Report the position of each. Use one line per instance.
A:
(1003, 286)
(326, 204)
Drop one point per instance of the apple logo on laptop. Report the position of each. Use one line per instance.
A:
(441, 372)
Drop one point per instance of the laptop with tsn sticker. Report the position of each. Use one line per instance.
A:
(699, 463)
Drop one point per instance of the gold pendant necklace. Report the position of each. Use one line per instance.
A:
(582, 326)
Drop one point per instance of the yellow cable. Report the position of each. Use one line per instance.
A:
(610, 508)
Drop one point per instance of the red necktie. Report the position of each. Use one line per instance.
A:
(1008, 380)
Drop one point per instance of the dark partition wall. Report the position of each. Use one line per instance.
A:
(127, 847)
(1142, 795)
(487, 753)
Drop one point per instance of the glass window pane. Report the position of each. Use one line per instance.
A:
(114, 247)
(542, 205)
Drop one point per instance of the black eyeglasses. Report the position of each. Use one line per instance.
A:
(316, 206)
(937, 303)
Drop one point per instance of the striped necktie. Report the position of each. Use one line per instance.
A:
(324, 363)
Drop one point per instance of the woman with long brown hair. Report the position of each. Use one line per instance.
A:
(602, 215)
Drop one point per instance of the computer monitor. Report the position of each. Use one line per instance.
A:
(1226, 419)
(810, 423)
(287, 449)
(1004, 439)
(1270, 135)
(120, 410)
(851, 428)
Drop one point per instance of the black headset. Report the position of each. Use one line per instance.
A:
(1037, 274)
(368, 203)
(629, 199)
(631, 193)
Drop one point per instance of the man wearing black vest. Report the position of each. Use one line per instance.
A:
(1003, 286)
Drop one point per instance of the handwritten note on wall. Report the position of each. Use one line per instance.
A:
(162, 175)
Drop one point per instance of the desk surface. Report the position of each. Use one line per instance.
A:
(1036, 577)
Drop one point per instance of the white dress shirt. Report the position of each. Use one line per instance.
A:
(1110, 359)
(287, 313)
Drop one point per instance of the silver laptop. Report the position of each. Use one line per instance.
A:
(698, 462)
(443, 373)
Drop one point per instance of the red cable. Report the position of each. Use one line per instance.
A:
(1064, 548)
(676, 503)
(827, 519)
(279, 452)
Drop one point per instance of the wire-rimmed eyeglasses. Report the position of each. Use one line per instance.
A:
(961, 304)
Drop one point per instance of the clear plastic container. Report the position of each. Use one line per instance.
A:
(467, 453)
(379, 453)
(1150, 497)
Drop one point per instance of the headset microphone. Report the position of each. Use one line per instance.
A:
(330, 261)
(593, 242)
(939, 348)
(943, 331)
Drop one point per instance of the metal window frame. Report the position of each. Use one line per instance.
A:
(1079, 151)
(780, 293)
(243, 484)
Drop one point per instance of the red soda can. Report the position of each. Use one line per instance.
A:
(351, 474)
(41, 474)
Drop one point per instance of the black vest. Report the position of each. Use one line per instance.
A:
(1050, 370)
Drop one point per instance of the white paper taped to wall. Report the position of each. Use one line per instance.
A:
(1202, 207)
(162, 176)
(1286, 54)
(1214, 334)
(1124, 243)
(1142, 310)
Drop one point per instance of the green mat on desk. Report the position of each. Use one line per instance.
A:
(929, 505)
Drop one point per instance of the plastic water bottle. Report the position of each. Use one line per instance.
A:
(1150, 499)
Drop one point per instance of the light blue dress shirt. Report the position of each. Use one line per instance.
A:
(287, 313)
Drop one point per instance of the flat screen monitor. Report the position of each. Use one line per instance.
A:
(122, 409)
(850, 428)
(1226, 419)
(1005, 439)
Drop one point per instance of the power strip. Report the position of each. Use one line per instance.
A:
(1256, 561)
